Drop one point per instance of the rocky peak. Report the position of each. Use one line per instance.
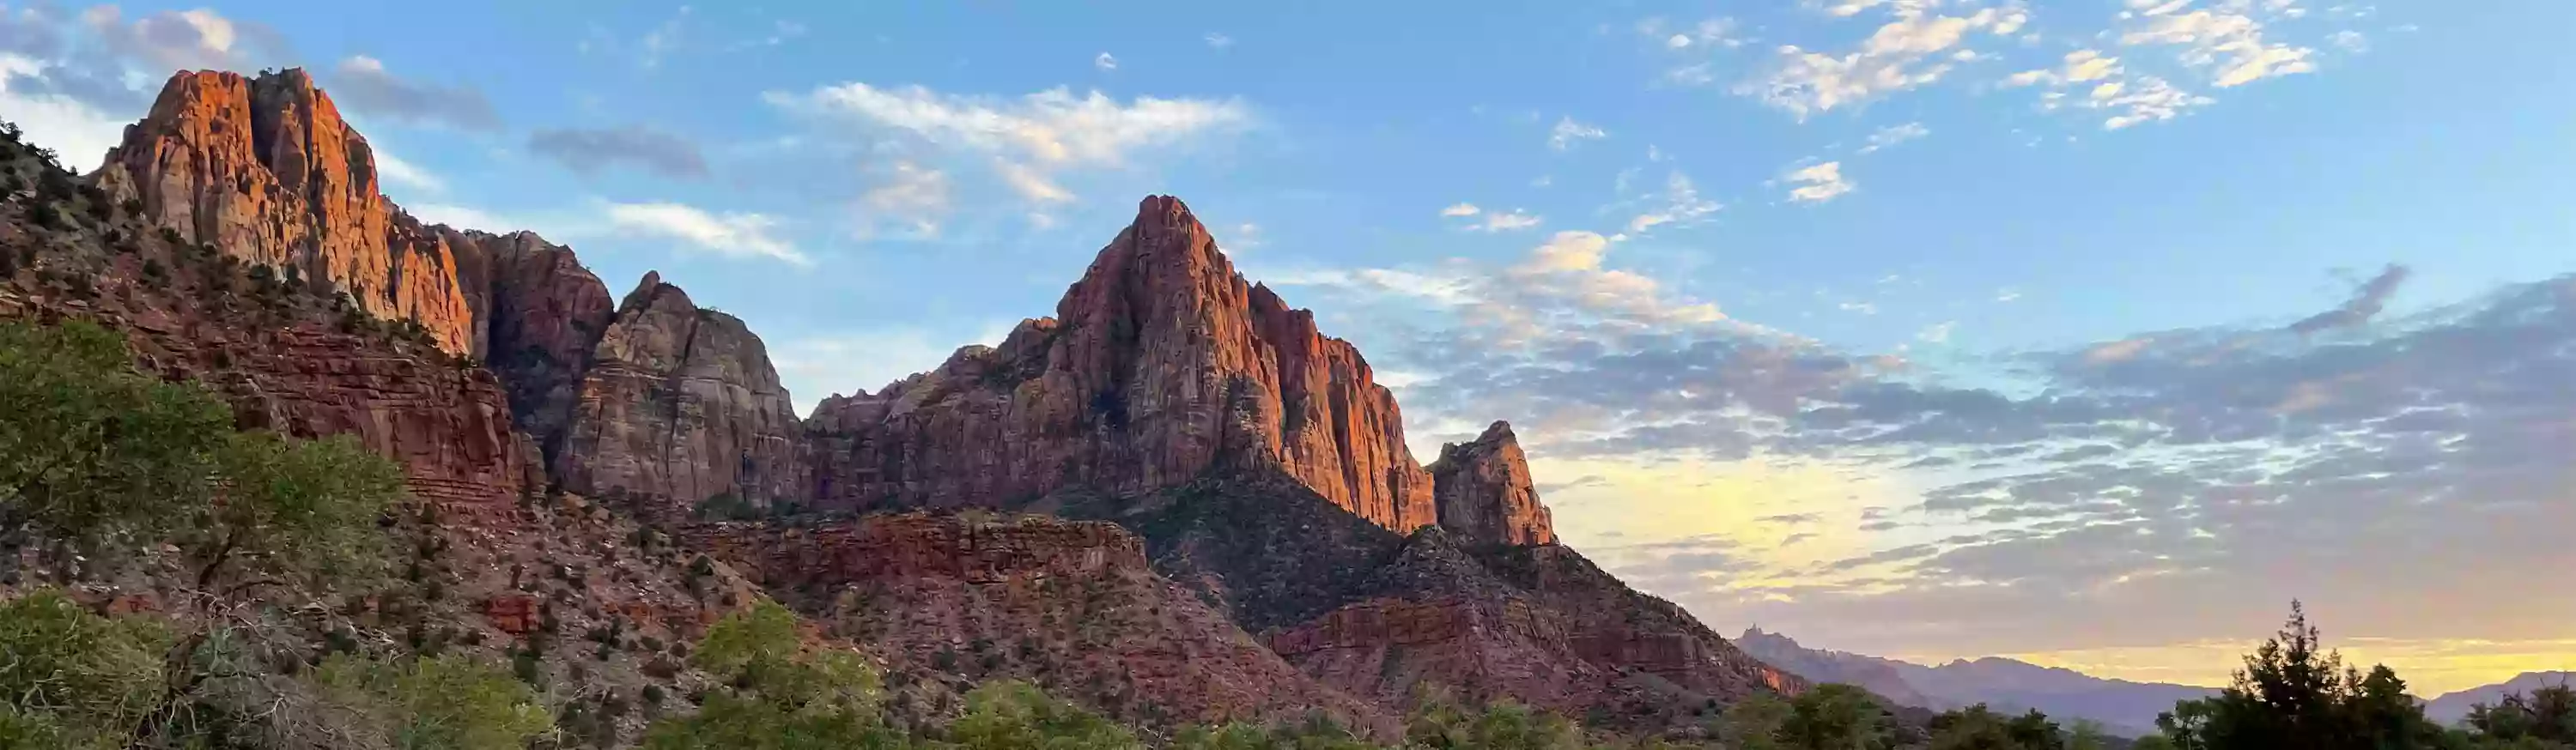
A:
(1485, 494)
(265, 170)
(1160, 364)
(679, 405)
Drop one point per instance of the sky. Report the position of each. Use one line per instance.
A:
(2090, 332)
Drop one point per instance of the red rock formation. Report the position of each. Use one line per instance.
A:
(1071, 605)
(1485, 492)
(265, 170)
(1538, 624)
(538, 319)
(681, 404)
(1161, 363)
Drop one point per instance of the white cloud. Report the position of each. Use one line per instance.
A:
(1899, 56)
(1937, 333)
(1894, 134)
(1863, 308)
(1819, 183)
(461, 217)
(2107, 86)
(1027, 145)
(181, 40)
(2080, 66)
(79, 134)
(2351, 41)
(1505, 221)
(1568, 132)
(1247, 236)
(1032, 184)
(1462, 209)
(2227, 42)
(1051, 127)
(1219, 41)
(733, 235)
(1682, 206)
(910, 194)
(396, 171)
(1713, 32)
(2148, 99)
(2007, 294)
(1568, 270)
(1105, 62)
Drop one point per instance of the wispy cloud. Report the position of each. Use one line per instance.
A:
(727, 234)
(1903, 54)
(1893, 135)
(1568, 132)
(1819, 183)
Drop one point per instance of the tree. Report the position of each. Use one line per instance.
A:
(1014, 715)
(779, 694)
(1834, 716)
(2292, 695)
(92, 451)
(296, 505)
(70, 678)
(447, 702)
(2088, 735)
(1754, 723)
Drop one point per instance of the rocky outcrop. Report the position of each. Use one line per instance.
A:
(680, 404)
(1485, 492)
(920, 545)
(539, 317)
(264, 170)
(1160, 364)
(1069, 605)
(1537, 624)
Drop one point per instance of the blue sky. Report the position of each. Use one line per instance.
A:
(1685, 243)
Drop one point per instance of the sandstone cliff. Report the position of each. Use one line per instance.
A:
(1070, 605)
(1485, 492)
(1537, 624)
(1159, 365)
(680, 404)
(264, 170)
(540, 316)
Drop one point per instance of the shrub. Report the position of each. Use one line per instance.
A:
(74, 677)
(446, 702)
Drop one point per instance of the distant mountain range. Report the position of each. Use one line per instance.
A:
(2454, 706)
(2123, 707)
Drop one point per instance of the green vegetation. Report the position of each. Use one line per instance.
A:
(104, 458)
(2291, 695)
(779, 693)
(439, 703)
(1013, 715)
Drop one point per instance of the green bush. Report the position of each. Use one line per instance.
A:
(97, 451)
(778, 693)
(440, 703)
(70, 678)
(1014, 715)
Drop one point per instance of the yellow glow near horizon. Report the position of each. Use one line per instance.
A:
(2430, 667)
(1685, 499)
